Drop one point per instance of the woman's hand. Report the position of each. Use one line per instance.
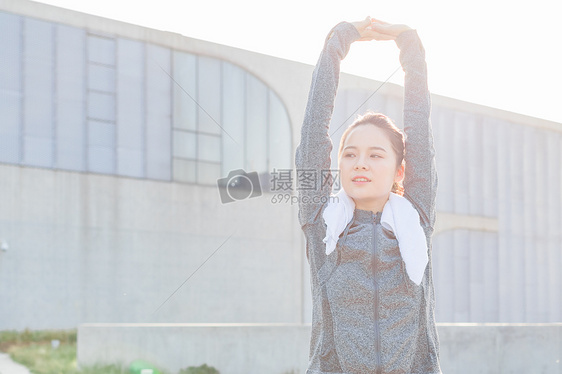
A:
(374, 29)
(365, 29)
(392, 30)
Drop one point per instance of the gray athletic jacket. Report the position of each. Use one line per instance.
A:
(367, 315)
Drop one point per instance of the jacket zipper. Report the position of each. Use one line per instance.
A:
(377, 329)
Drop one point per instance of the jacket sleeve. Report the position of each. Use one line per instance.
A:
(312, 158)
(420, 178)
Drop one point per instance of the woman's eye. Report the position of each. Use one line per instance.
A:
(348, 155)
(375, 156)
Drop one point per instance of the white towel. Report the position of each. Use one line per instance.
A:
(398, 215)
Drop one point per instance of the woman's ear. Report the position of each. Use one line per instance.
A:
(399, 177)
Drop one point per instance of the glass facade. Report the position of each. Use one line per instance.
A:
(75, 99)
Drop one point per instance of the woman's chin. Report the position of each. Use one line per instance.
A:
(358, 192)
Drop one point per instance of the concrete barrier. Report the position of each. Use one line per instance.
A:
(243, 348)
(247, 348)
(500, 348)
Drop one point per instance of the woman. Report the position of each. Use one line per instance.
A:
(369, 246)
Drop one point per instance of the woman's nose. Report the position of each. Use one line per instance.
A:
(360, 164)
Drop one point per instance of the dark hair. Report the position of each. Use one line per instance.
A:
(393, 133)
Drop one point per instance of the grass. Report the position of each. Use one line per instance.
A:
(34, 350)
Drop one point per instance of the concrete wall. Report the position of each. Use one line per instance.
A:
(506, 175)
(283, 348)
(94, 248)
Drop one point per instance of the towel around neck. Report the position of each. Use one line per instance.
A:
(398, 216)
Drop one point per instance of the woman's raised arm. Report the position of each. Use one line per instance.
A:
(420, 177)
(312, 158)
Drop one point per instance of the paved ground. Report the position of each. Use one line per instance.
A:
(7, 366)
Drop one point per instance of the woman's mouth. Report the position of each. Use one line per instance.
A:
(360, 180)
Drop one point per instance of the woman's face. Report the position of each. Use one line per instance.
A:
(368, 153)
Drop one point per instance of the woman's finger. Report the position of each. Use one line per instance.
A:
(391, 29)
(375, 35)
(375, 20)
(362, 25)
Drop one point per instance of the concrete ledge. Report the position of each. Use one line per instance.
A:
(246, 348)
(500, 348)
(231, 348)
(450, 221)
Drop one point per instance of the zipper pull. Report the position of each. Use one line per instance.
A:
(378, 216)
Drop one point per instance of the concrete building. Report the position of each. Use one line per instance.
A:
(113, 136)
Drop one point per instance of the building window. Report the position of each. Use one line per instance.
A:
(81, 100)
(100, 115)
(225, 119)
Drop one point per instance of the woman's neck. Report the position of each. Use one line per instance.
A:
(374, 205)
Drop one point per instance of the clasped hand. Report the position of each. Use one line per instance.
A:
(374, 29)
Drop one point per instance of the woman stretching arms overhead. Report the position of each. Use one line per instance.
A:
(369, 246)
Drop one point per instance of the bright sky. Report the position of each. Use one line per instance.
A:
(494, 53)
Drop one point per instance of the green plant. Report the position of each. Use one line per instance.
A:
(10, 337)
(203, 369)
(34, 350)
(99, 369)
